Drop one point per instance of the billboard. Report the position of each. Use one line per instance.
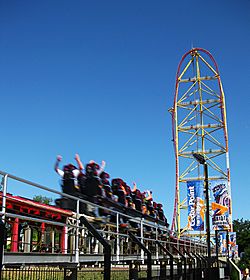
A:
(195, 200)
(220, 204)
(222, 240)
(233, 248)
(230, 250)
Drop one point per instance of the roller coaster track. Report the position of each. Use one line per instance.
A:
(81, 246)
(199, 126)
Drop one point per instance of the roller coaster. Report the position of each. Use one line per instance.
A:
(49, 235)
(67, 236)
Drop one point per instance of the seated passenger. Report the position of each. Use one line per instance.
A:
(106, 185)
(93, 187)
(69, 175)
(146, 212)
(151, 211)
(130, 202)
(128, 189)
(81, 179)
(93, 183)
(147, 197)
(138, 200)
(116, 185)
(137, 197)
(119, 190)
(145, 209)
(100, 169)
(148, 200)
(120, 193)
(161, 214)
(69, 183)
(156, 211)
(131, 205)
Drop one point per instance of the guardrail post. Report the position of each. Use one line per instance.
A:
(117, 238)
(142, 251)
(77, 232)
(2, 237)
(133, 271)
(191, 267)
(204, 267)
(185, 263)
(4, 184)
(198, 268)
(171, 258)
(149, 255)
(105, 244)
(163, 270)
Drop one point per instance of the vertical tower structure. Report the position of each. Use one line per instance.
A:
(199, 126)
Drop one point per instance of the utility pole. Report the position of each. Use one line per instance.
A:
(201, 159)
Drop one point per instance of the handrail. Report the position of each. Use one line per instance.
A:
(151, 224)
(74, 198)
(149, 255)
(237, 269)
(184, 260)
(105, 244)
(171, 256)
(139, 218)
(192, 260)
(2, 237)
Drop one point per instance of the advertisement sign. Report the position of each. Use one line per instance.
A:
(195, 200)
(230, 250)
(222, 243)
(235, 252)
(233, 248)
(220, 205)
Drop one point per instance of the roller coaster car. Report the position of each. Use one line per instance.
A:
(70, 204)
(92, 186)
(133, 212)
(66, 203)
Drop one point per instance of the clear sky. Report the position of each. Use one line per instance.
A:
(97, 78)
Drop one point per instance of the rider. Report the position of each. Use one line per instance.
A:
(69, 175)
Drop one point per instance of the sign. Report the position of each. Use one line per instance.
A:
(222, 243)
(220, 205)
(233, 248)
(195, 202)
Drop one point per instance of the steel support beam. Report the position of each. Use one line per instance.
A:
(105, 244)
(149, 255)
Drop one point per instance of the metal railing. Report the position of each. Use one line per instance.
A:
(85, 246)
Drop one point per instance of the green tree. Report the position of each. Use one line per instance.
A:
(242, 229)
(42, 199)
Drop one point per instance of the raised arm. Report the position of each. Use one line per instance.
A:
(135, 187)
(58, 159)
(102, 166)
(149, 197)
(79, 163)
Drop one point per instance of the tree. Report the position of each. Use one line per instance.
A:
(242, 229)
(42, 199)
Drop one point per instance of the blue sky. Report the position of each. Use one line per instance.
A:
(97, 78)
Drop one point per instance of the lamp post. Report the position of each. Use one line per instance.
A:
(201, 159)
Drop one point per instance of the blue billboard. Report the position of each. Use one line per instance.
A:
(195, 200)
(221, 205)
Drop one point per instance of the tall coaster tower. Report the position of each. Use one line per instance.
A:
(199, 126)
